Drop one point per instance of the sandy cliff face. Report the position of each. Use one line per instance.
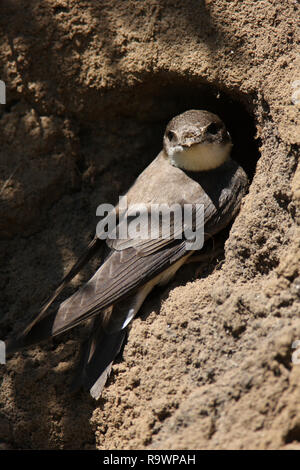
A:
(90, 86)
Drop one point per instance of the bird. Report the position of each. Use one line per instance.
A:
(194, 167)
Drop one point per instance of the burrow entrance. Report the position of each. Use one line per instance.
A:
(137, 117)
(170, 98)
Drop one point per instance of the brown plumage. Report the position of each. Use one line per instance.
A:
(132, 267)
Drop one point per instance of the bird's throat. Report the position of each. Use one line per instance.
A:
(200, 157)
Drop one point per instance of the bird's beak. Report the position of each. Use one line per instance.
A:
(188, 145)
(190, 140)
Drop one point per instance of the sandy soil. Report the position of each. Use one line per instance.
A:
(90, 86)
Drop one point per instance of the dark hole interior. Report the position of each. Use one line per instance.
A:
(149, 106)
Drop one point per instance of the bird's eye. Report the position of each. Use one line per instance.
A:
(170, 135)
(213, 128)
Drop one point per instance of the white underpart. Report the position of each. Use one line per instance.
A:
(200, 157)
(160, 279)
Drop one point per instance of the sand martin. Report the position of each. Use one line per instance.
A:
(194, 167)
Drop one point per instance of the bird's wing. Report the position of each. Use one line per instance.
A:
(123, 271)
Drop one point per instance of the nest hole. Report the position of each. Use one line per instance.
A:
(139, 116)
(163, 100)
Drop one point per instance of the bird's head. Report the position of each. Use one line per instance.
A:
(197, 141)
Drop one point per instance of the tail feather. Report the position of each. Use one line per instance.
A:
(97, 357)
